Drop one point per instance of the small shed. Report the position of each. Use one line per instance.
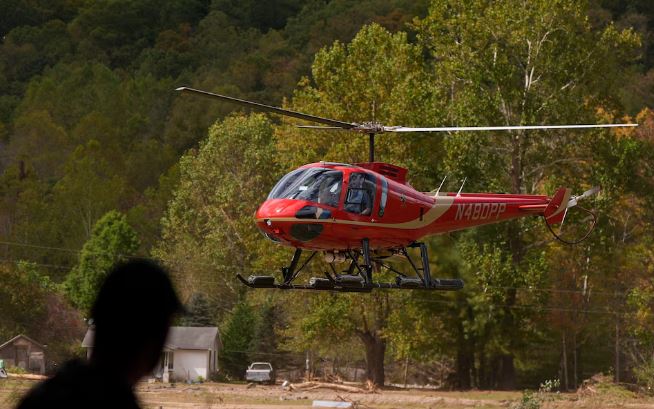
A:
(23, 352)
(190, 353)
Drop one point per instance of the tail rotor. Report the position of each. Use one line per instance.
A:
(557, 211)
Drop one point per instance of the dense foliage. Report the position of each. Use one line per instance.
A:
(100, 159)
(112, 240)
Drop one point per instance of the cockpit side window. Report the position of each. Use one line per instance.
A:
(312, 184)
(360, 194)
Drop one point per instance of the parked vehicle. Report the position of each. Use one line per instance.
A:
(260, 372)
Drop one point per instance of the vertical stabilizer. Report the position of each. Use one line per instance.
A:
(558, 206)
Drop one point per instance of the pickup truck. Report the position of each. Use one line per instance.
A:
(260, 372)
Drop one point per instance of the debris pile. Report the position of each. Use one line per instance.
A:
(312, 385)
(601, 388)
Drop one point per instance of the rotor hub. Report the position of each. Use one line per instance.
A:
(369, 127)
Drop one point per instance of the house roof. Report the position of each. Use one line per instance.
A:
(178, 338)
(191, 337)
(11, 341)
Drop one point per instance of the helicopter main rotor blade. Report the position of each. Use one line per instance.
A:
(269, 108)
(338, 128)
(501, 128)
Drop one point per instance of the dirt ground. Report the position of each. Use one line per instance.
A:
(233, 396)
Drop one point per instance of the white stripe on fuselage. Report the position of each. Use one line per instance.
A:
(442, 205)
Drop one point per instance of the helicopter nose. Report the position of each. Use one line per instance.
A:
(284, 220)
(277, 209)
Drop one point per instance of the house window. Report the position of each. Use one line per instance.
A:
(168, 359)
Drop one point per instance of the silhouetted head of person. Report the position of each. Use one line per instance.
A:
(132, 313)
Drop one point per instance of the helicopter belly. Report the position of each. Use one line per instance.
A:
(335, 234)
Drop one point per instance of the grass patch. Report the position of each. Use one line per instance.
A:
(13, 390)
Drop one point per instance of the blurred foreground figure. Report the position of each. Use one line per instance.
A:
(132, 314)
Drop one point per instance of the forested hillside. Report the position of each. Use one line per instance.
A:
(100, 159)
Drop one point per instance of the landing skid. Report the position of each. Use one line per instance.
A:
(359, 275)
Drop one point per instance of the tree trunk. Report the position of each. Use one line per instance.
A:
(464, 360)
(463, 366)
(375, 352)
(406, 369)
(564, 362)
(507, 372)
(574, 360)
(483, 381)
(617, 351)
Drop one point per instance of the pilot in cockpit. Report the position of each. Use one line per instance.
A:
(359, 199)
(329, 192)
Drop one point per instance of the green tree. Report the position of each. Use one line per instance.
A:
(118, 30)
(237, 334)
(40, 144)
(33, 305)
(112, 239)
(266, 340)
(271, 15)
(334, 322)
(208, 231)
(198, 312)
(88, 189)
(23, 292)
(516, 63)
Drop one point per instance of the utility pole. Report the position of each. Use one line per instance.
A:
(617, 349)
(406, 369)
(618, 317)
(307, 367)
(565, 363)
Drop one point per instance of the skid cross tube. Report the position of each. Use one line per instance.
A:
(358, 277)
(294, 276)
(287, 272)
(426, 273)
(415, 268)
(365, 243)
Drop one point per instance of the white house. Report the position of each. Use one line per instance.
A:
(190, 353)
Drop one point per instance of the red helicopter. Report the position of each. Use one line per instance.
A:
(364, 213)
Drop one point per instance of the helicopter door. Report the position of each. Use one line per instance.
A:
(360, 197)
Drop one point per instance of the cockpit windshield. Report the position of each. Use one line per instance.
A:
(318, 185)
